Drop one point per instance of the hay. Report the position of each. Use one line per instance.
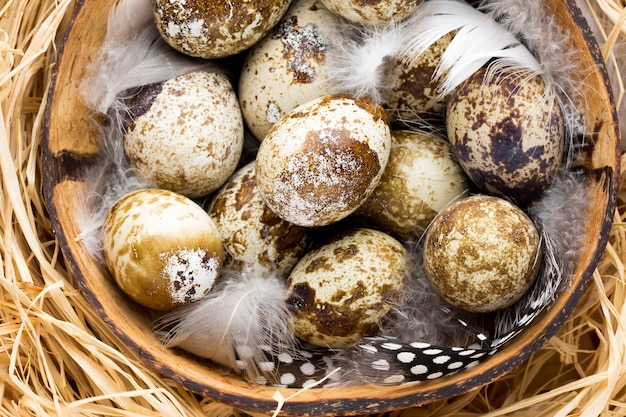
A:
(58, 358)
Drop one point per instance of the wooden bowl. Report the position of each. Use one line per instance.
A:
(71, 144)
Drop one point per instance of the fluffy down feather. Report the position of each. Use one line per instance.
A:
(244, 323)
(359, 57)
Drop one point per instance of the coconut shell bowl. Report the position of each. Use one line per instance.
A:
(72, 143)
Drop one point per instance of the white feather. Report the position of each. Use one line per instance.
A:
(477, 40)
(359, 57)
(533, 22)
(243, 323)
(133, 54)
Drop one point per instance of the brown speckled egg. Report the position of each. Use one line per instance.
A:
(286, 68)
(508, 139)
(482, 253)
(186, 135)
(162, 249)
(341, 290)
(421, 178)
(253, 235)
(323, 159)
(216, 29)
(372, 12)
(413, 91)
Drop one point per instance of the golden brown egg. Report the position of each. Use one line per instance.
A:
(413, 94)
(341, 290)
(482, 253)
(420, 179)
(162, 249)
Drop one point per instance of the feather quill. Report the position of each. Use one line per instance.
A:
(244, 323)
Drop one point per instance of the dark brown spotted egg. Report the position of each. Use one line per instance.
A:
(507, 134)
(287, 67)
(420, 179)
(254, 237)
(162, 249)
(321, 161)
(216, 29)
(372, 12)
(186, 135)
(482, 253)
(341, 290)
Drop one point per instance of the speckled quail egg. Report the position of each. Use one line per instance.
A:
(287, 67)
(321, 161)
(216, 29)
(507, 134)
(372, 12)
(413, 92)
(161, 248)
(254, 237)
(420, 179)
(341, 290)
(186, 135)
(482, 253)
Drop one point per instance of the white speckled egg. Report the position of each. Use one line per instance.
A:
(482, 253)
(254, 236)
(323, 159)
(287, 67)
(341, 290)
(216, 29)
(162, 249)
(420, 179)
(507, 137)
(372, 12)
(186, 135)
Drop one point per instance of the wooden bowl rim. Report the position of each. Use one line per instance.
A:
(350, 400)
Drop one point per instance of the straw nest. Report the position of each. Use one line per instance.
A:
(58, 357)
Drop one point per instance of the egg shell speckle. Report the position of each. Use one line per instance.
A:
(216, 29)
(508, 139)
(341, 290)
(148, 256)
(420, 179)
(372, 12)
(482, 253)
(323, 159)
(253, 235)
(287, 67)
(187, 134)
